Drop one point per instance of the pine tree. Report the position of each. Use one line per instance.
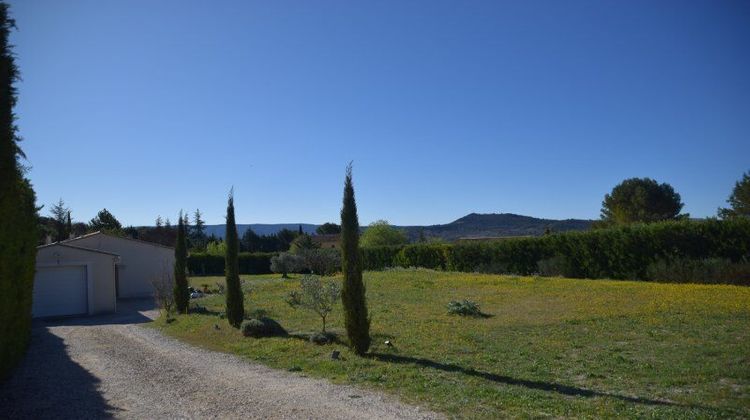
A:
(181, 293)
(235, 305)
(59, 213)
(353, 292)
(18, 217)
(105, 221)
(198, 231)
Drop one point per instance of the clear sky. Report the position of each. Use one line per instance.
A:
(445, 107)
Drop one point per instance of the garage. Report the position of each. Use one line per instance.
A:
(60, 291)
(72, 280)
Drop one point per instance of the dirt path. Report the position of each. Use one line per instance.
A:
(111, 367)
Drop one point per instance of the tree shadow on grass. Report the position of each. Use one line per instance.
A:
(539, 385)
(49, 384)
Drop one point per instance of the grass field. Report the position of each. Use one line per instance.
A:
(551, 347)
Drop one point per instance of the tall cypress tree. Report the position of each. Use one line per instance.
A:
(18, 218)
(235, 305)
(353, 292)
(181, 293)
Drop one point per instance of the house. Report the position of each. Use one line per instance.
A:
(87, 274)
(327, 240)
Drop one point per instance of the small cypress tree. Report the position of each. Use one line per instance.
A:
(181, 293)
(235, 305)
(353, 292)
(68, 226)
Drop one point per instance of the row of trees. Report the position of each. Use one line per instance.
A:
(644, 200)
(356, 318)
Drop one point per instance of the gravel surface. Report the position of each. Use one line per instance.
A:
(111, 367)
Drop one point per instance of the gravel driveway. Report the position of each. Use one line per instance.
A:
(111, 367)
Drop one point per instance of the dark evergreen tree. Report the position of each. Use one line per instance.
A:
(739, 201)
(328, 229)
(353, 292)
(300, 231)
(18, 217)
(105, 221)
(69, 225)
(641, 200)
(285, 238)
(181, 293)
(234, 299)
(59, 214)
(251, 241)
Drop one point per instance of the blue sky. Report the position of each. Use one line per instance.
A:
(446, 108)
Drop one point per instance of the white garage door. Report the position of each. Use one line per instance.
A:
(60, 291)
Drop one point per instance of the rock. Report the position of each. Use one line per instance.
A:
(335, 355)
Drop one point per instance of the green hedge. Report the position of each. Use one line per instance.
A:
(618, 253)
(379, 257)
(422, 255)
(201, 264)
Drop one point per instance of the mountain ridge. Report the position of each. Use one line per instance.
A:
(473, 225)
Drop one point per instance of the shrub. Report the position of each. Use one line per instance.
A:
(286, 263)
(324, 262)
(464, 308)
(163, 285)
(216, 248)
(316, 295)
(322, 338)
(263, 327)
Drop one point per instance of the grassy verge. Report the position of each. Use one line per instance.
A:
(551, 347)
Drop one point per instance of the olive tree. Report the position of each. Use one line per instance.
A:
(316, 295)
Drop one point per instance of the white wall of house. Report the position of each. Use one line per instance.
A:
(71, 281)
(140, 262)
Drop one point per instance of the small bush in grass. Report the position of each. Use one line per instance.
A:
(263, 327)
(321, 338)
(464, 308)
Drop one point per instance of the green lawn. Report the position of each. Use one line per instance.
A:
(552, 347)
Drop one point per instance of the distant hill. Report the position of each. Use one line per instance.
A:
(470, 226)
(495, 225)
